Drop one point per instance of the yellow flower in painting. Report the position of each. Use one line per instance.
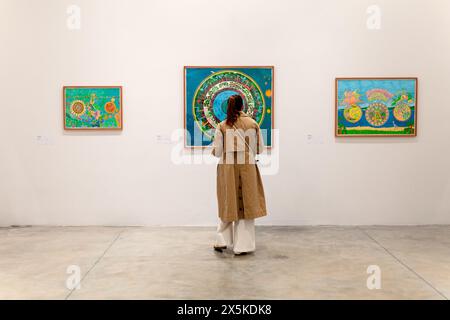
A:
(268, 111)
(77, 108)
(268, 93)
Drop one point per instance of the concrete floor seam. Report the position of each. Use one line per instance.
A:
(402, 263)
(97, 261)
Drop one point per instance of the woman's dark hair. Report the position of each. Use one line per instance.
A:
(235, 105)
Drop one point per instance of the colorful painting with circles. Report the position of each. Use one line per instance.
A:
(376, 107)
(207, 90)
(92, 108)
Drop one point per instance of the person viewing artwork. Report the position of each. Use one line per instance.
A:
(240, 191)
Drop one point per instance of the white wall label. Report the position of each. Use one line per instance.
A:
(163, 139)
(314, 139)
(44, 140)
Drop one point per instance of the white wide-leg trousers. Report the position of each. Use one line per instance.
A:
(239, 234)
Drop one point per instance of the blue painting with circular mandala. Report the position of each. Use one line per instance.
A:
(207, 90)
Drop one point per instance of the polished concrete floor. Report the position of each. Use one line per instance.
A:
(178, 263)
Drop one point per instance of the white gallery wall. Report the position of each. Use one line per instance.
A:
(128, 177)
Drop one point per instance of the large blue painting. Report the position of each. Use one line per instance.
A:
(205, 99)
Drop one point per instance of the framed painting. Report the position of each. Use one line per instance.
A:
(367, 107)
(92, 108)
(207, 89)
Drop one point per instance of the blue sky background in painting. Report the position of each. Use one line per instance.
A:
(394, 86)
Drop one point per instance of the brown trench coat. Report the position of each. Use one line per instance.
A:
(240, 191)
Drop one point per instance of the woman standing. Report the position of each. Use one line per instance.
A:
(240, 192)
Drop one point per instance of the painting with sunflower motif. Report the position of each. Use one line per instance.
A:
(376, 107)
(92, 108)
(206, 92)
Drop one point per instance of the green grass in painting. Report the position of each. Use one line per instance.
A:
(375, 132)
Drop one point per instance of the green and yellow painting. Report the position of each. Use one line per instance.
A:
(376, 107)
(93, 108)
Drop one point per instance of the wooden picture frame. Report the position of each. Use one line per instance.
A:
(382, 112)
(101, 115)
(190, 90)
